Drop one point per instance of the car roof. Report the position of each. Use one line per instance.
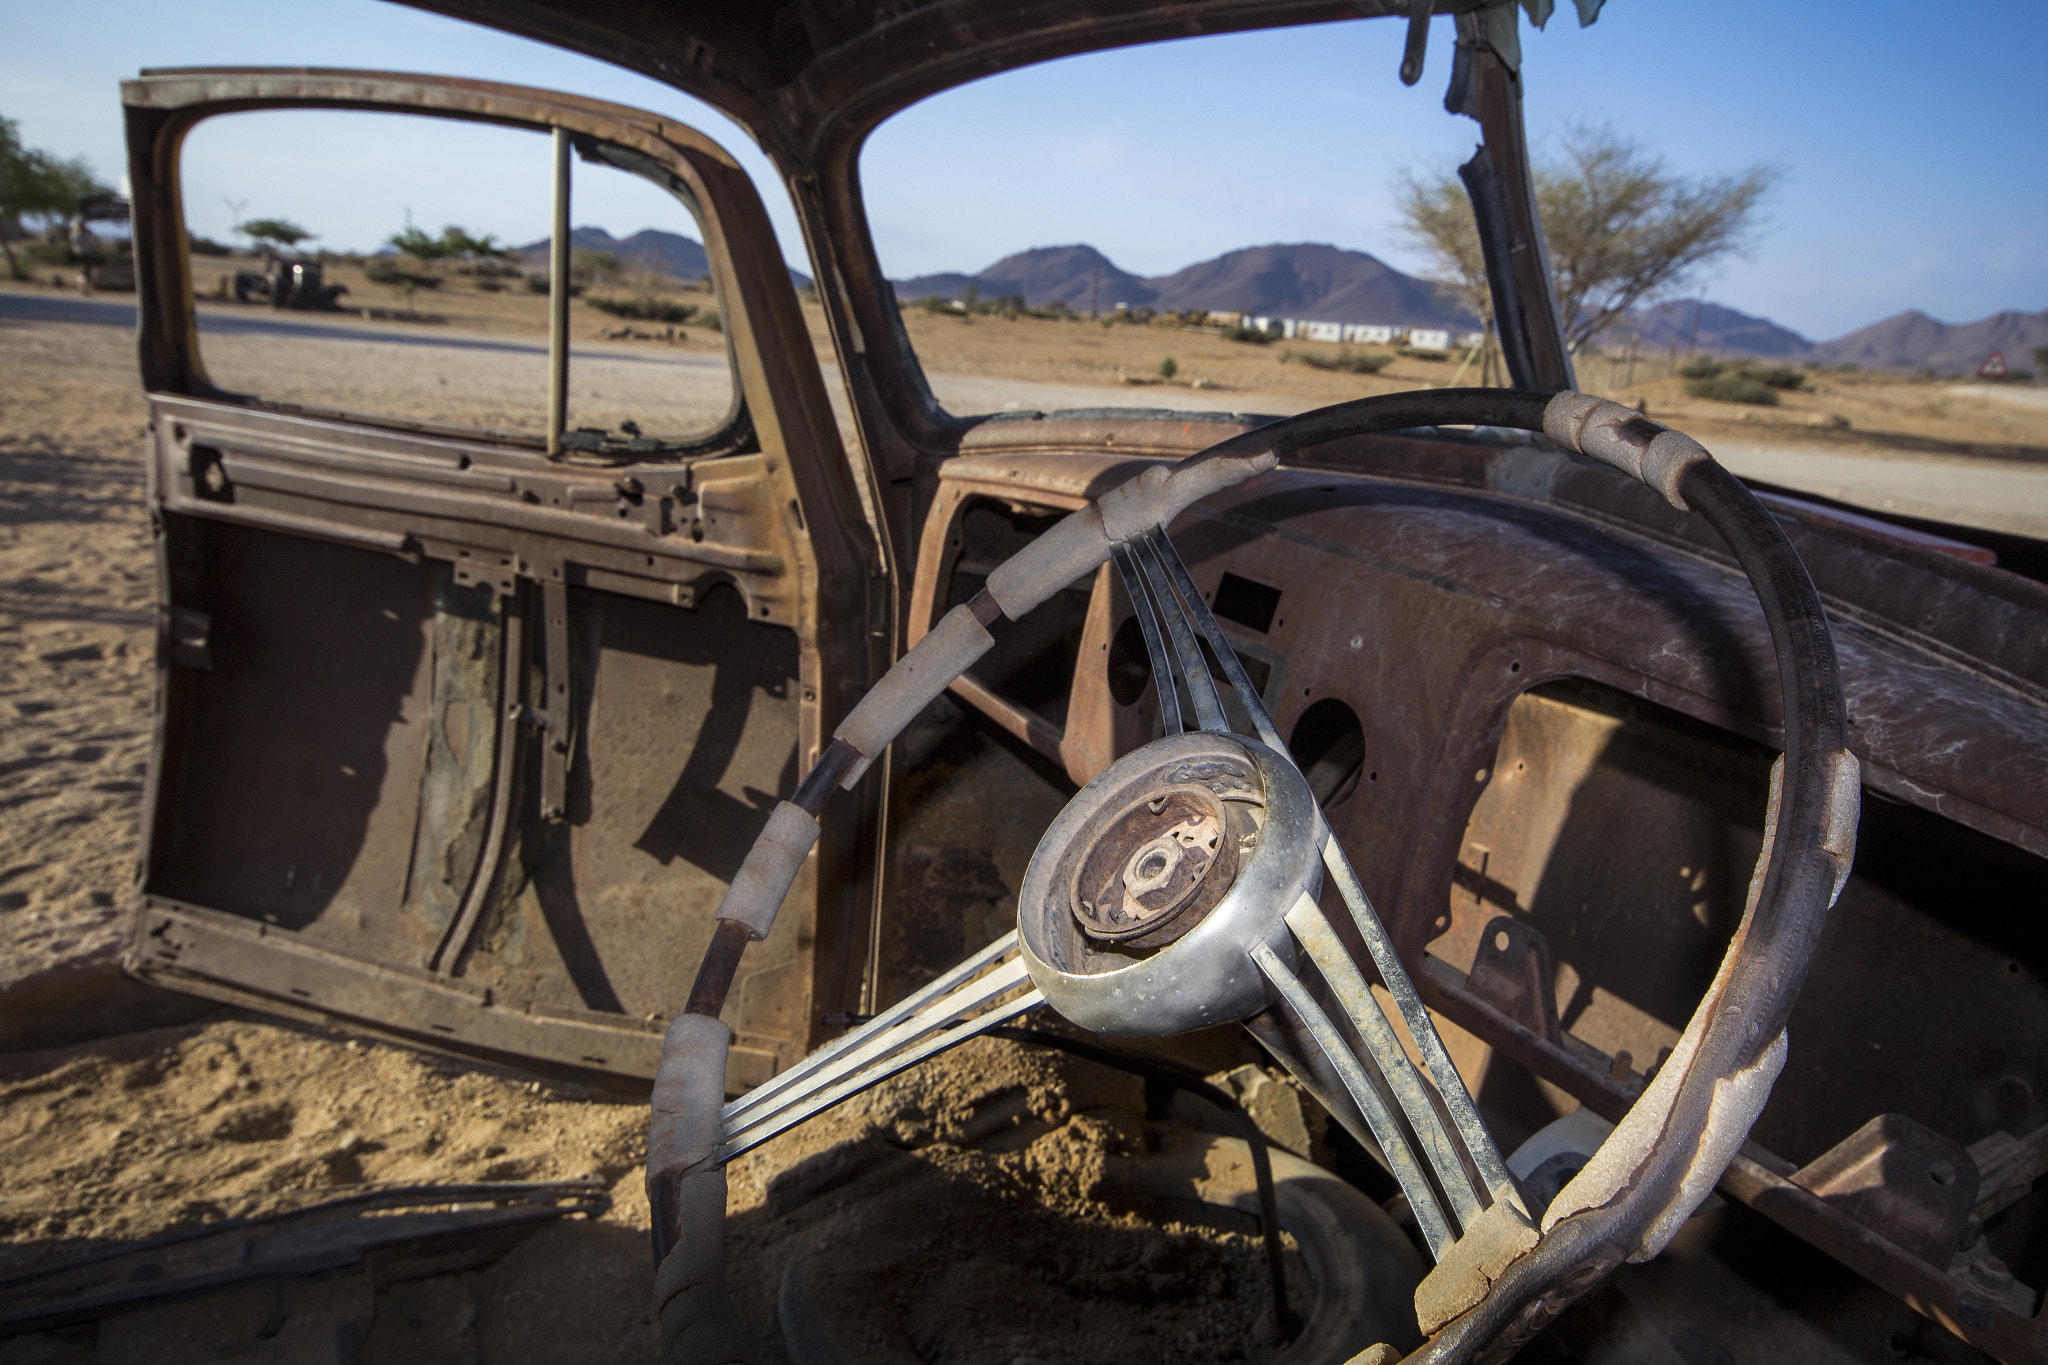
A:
(803, 74)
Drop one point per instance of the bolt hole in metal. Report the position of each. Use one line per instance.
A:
(1328, 743)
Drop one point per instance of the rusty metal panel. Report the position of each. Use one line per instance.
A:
(482, 731)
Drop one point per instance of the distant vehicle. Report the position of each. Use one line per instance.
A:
(287, 282)
(101, 244)
(467, 737)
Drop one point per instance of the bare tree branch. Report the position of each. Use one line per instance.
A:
(1436, 219)
(1621, 226)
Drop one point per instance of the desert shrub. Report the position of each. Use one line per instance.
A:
(1343, 359)
(1776, 376)
(1733, 387)
(1421, 353)
(1168, 368)
(1256, 336)
(384, 272)
(538, 284)
(709, 318)
(1770, 376)
(644, 309)
(490, 284)
(588, 263)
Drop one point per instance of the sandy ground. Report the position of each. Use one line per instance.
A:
(233, 1114)
(76, 655)
(998, 1151)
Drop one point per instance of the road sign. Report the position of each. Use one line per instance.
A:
(1994, 368)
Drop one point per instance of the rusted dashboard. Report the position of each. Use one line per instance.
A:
(1540, 707)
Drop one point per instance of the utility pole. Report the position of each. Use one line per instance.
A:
(1095, 295)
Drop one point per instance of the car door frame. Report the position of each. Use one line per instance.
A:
(811, 555)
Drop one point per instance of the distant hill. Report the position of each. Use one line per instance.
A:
(1299, 280)
(1719, 330)
(1909, 341)
(649, 248)
(1914, 341)
(1311, 280)
(1324, 283)
(1074, 275)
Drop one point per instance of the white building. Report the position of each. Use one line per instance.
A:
(1467, 340)
(1368, 334)
(1320, 331)
(1429, 338)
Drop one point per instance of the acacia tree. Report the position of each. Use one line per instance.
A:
(37, 184)
(418, 244)
(1622, 228)
(454, 243)
(474, 248)
(280, 232)
(1436, 219)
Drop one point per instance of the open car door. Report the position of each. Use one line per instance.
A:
(486, 646)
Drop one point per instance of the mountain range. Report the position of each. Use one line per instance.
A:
(649, 248)
(1913, 341)
(1305, 280)
(1328, 284)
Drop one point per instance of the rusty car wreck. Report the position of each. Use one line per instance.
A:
(1442, 722)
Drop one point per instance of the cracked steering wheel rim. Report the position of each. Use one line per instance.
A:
(1498, 1281)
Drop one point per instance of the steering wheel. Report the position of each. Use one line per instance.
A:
(1178, 890)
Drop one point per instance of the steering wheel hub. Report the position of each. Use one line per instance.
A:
(1160, 865)
(1146, 894)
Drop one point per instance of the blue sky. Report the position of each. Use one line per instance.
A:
(1914, 138)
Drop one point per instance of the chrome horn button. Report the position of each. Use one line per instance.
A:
(1145, 897)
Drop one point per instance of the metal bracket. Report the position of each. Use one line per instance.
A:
(492, 569)
(554, 708)
(1514, 973)
(1907, 1183)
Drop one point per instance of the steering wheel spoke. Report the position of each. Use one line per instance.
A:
(1428, 1127)
(989, 988)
